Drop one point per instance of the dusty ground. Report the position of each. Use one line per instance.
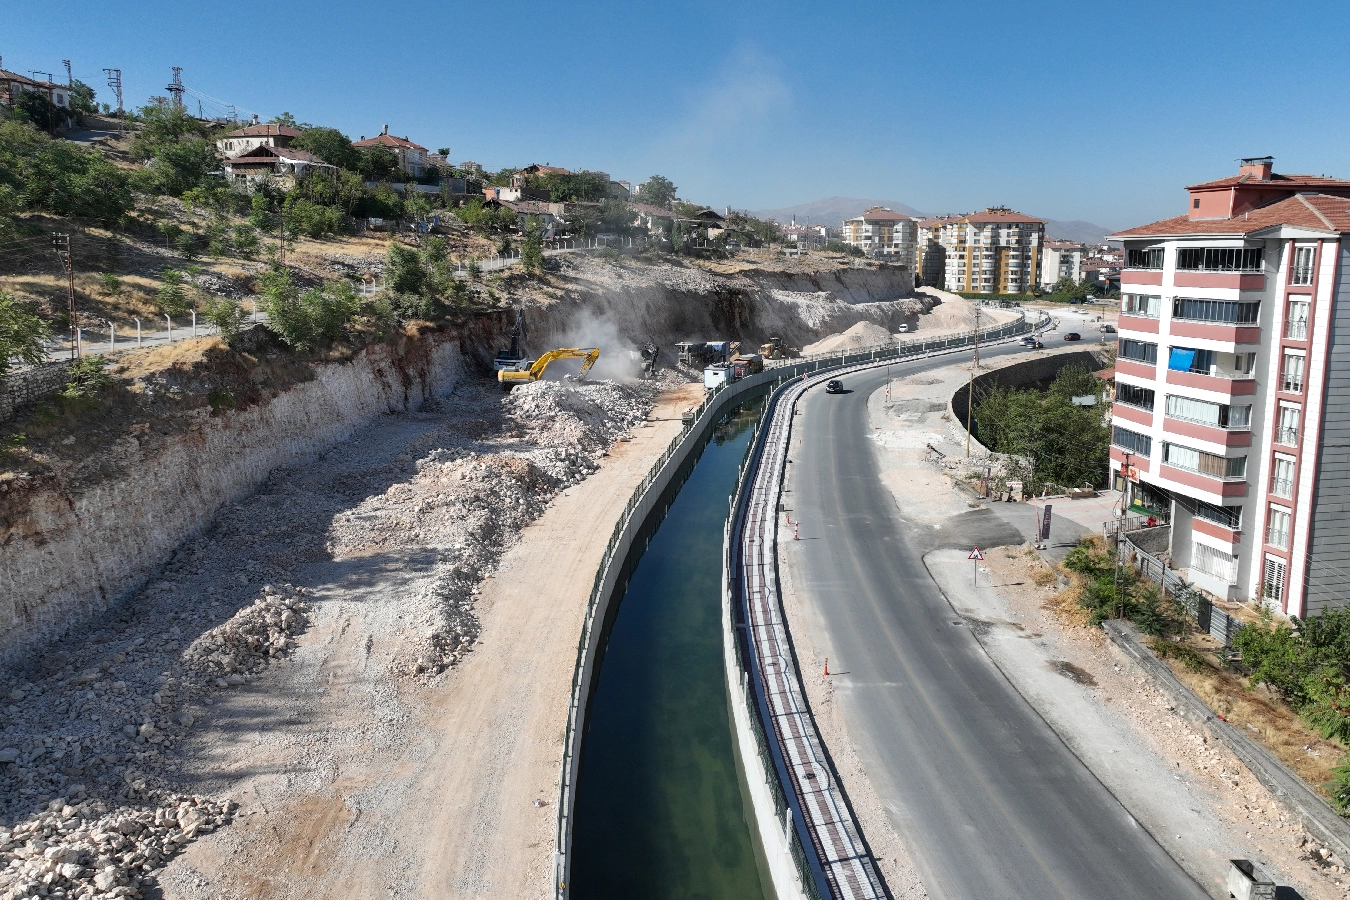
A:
(398, 711)
(1197, 799)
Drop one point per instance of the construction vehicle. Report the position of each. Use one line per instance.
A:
(742, 366)
(526, 374)
(514, 356)
(774, 349)
(650, 354)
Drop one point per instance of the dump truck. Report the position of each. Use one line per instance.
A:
(742, 366)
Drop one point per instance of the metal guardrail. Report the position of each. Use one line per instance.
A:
(1217, 623)
(696, 422)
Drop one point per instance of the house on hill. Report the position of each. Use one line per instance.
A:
(265, 134)
(284, 166)
(412, 156)
(13, 85)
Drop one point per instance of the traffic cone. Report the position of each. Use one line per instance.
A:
(827, 665)
(795, 526)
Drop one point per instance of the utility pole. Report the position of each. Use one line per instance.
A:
(70, 79)
(970, 407)
(115, 82)
(62, 243)
(1120, 526)
(175, 87)
(977, 336)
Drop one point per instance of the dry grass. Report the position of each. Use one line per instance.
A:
(1261, 716)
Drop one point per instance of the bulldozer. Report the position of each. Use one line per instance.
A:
(774, 349)
(528, 373)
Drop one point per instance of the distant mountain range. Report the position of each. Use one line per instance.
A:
(833, 210)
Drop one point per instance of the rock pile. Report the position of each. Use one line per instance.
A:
(864, 335)
(248, 641)
(79, 847)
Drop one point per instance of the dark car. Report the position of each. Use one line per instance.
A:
(834, 387)
(1073, 336)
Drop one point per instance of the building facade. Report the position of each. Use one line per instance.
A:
(1225, 420)
(412, 157)
(1061, 259)
(930, 257)
(267, 134)
(997, 251)
(884, 234)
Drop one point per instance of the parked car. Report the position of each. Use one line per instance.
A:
(1073, 336)
(1108, 329)
(835, 386)
(1028, 341)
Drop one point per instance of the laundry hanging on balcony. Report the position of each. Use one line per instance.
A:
(1181, 359)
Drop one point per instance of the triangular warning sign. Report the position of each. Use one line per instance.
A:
(975, 554)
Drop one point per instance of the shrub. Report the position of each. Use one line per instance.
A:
(87, 379)
(23, 334)
(245, 240)
(227, 315)
(309, 320)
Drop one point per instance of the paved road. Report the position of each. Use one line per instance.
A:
(990, 801)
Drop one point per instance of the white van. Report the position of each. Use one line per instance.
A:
(903, 329)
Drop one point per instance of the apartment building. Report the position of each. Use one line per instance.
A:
(930, 257)
(412, 156)
(883, 233)
(1225, 420)
(1061, 259)
(997, 251)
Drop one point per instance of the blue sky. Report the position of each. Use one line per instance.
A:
(1086, 111)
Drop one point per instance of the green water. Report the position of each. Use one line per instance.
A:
(659, 811)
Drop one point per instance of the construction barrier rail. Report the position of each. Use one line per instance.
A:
(1217, 623)
(643, 500)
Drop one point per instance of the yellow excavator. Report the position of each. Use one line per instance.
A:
(525, 374)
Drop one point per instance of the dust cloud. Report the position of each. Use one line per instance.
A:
(619, 359)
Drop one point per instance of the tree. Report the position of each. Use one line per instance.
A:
(444, 151)
(571, 187)
(378, 164)
(176, 147)
(172, 297)
(287, 120)
(38, 173)
(656, 191)
(23, 334)
(82, 98)
(331, 146)
(226, 314)
(531, 246)
(37, 109)
(841, 247)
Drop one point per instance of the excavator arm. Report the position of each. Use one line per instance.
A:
(536, 371)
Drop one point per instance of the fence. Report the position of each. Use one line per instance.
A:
(1217, 623)
(691, 426)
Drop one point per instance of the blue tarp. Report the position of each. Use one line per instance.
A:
(1181, 360)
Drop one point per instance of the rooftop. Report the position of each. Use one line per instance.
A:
(388, 140)
(1318, 212)
(880, 214)
(1001, 214)
(1286, 182)
(266, 129)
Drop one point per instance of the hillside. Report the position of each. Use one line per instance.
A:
(1076, 230)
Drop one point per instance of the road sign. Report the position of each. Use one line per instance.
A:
(975, 554)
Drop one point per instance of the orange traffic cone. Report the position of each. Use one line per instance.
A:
(827, 665)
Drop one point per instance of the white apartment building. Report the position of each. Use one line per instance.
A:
(1061, 259)
(1227, 419)
(884, 234)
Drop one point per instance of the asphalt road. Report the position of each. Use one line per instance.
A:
(991, 803)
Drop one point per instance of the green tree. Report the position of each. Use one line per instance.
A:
(571, 187)
(226, 314)
(37, 109)
(59, 177)
(23, 334)
(331, 146)
(172, 297)
(531, 245)
(82, 98)
(841, 247)
(287, 120)
(378, 164)
(656, 191)
(175, 148)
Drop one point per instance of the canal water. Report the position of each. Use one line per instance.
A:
(659, 809)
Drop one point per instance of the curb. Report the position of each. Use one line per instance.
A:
(1291, 791)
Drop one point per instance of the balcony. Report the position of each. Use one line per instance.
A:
(1206, 431)
(1213, 380)
(1286, 436)
(1141, 276)
(1278, 537)
(1282, 487)
(1291, 382)
(1216, 331)
(1301, 275)
(1201, 278)
(1296, 330)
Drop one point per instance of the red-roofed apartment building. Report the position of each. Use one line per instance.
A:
(997, 251)
(1226, 375)
(412, 157)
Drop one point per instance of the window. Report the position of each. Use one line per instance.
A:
(1133, 395)
(1140, 305)
(1296, 320)
(1151, 258)
(1195, 204)
(1227, 516)
(1286, 427)
(1139, 351)
(1188, 359)
(1277, 528)
(1225, 311)
(1282, 476)
(1179, 457)
(1302, 271)
(1133, 441)
(1221, 259)
(1291, 373)
(1273, 579)
(1214, 562)
(1220, 415)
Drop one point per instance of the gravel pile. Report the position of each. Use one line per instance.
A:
(859, 336)
(102, 735)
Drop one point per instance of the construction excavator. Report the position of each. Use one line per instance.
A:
(527, 373)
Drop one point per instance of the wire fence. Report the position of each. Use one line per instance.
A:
(1217, 623)
(692, 425)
